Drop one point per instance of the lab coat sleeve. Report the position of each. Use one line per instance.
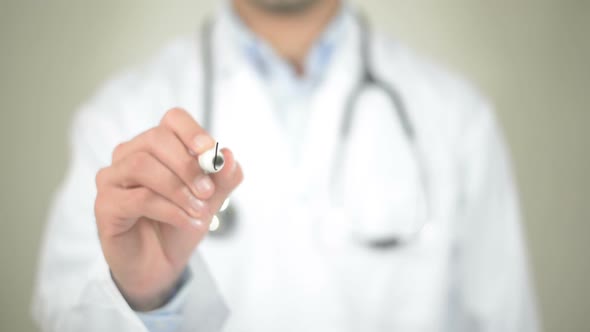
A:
(74, 289)
(168, 317)
(493, 284)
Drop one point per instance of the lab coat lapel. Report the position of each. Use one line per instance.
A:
(244, 119)
(325, 118)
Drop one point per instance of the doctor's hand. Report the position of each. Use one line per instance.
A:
(154, 205)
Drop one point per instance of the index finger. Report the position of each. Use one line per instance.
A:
(194, 137)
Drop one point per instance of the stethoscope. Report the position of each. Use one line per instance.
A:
(225, 221)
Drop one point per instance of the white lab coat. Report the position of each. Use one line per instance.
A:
(295, 262)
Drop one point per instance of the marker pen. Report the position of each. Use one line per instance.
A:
(212, 161)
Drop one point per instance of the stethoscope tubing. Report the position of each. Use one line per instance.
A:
(367, 79)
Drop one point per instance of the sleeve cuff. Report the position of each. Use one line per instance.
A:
(198, 304)
(168, 318)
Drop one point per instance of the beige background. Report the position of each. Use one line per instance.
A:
(530, 58)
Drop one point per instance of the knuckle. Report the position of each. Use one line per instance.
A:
(139, 162)
(132, 200)
(141, 196)
(171, 115)
(152, 136)
(239, 176)
(99, 207)
(103, 209)
(118, 151)
(100, 177)
(235, 178)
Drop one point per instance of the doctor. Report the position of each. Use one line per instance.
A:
(373, 190)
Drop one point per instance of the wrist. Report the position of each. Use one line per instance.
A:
(143, 298)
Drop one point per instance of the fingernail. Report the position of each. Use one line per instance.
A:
(203, 184)
(202, 143)
(197, 223)
(197, 204)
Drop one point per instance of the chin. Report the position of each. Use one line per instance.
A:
(285, 6)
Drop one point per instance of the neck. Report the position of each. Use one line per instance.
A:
(291, 35)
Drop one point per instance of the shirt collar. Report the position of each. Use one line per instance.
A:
(268, 64)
